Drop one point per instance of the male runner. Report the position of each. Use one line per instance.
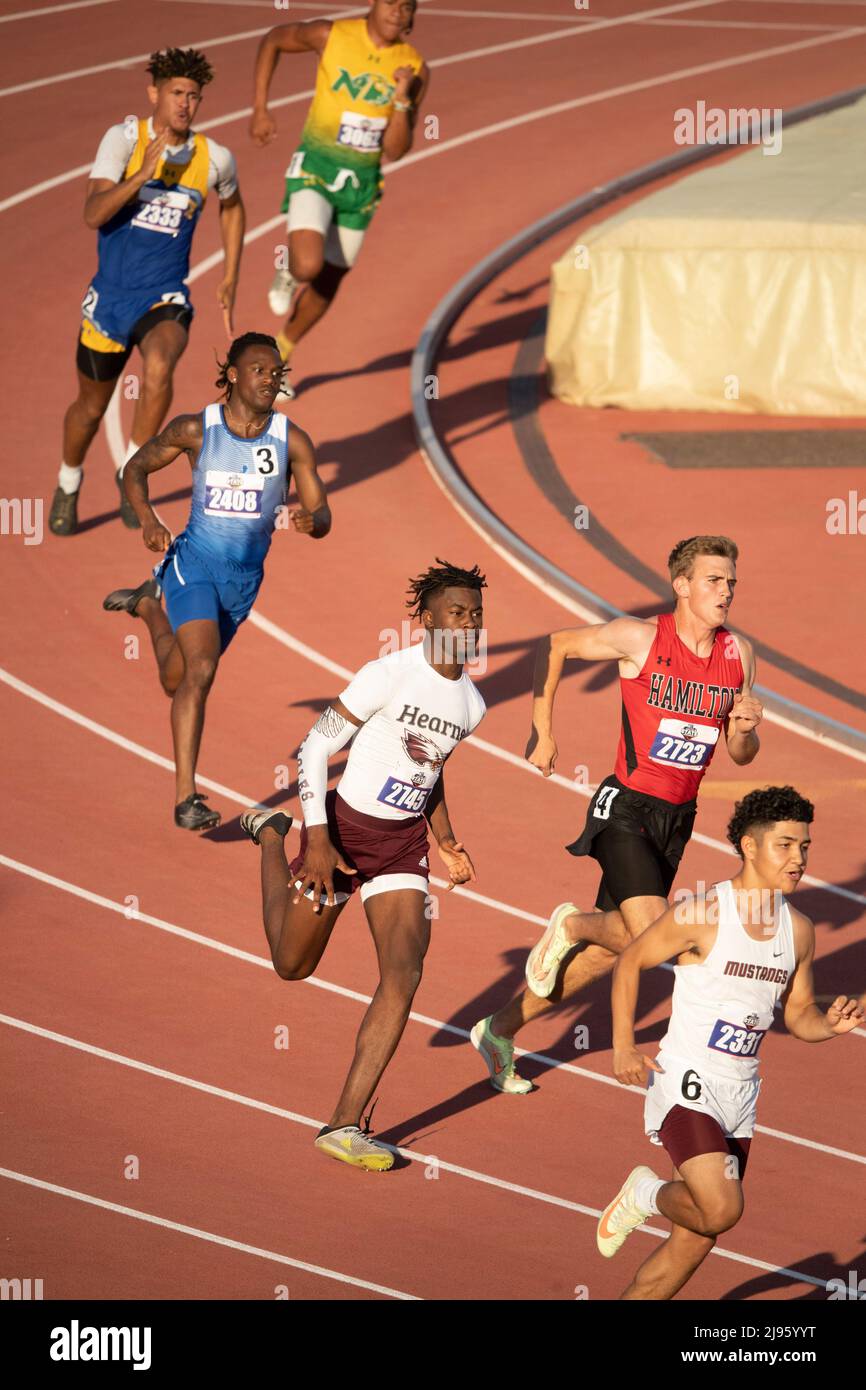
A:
(241, 453)
(684, 680)
(740, 950)
(412, 708)
(369, 85)
(146, 191)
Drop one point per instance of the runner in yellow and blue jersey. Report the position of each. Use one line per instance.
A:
(146, 192)
(242, 453)
(369, 86)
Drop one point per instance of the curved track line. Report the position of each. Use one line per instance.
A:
(518, 1189)
(224, 1241)
(54, 9)
(530, 563)
(210, 943)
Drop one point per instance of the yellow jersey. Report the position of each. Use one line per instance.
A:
(354, 95)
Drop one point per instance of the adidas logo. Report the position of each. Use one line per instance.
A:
(422, 863)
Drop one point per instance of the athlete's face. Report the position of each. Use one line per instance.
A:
(393, 18)
(709, 590)
(257, 377)
(455, 619)
(175, 103)
(778, 854)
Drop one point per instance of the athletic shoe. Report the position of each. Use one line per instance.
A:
(547, 955)
(127, 600)
(192, 814)
(498, 1053)
(63, 517)
(254, 822)
(351, 1145)
(127, 511)
(280, 293)
(623, 1215)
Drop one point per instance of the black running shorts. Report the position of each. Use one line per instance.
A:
(638, 840)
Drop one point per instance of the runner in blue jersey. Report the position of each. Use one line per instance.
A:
(242, 452)
(146, 192)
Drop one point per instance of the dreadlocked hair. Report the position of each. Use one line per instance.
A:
(441, 576)
(180, 62)
(765, 807)
(238, 347)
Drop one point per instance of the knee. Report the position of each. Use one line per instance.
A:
(305, 265)
(156, 371)
(402, 978)
(91, 408)
(199, 672)
(293, 972)
(720, 1214)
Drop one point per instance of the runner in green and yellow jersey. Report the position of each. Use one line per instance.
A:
(369, 86)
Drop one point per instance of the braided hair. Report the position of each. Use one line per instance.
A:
(236, 350)
(441, 576)
(179, 62)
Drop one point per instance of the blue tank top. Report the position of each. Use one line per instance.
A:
(147, 243)
(238, 488)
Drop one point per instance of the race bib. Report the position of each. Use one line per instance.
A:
(161, 209)
(403, 796)
(680, 743)
(737, 1042)
(361, 132)
(296, 165)
(233, 494)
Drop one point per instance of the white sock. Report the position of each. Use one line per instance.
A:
(645, 1192)
(69, 479)
(131, 448)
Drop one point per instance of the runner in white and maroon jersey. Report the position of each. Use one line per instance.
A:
(412, 707)
(741, 950)
(685, 680)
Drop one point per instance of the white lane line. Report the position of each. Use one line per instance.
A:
(437, 1024)
(242, 113)
(434, 11)
(229, 793)
(469, 56)
(209, 1236)
(55, 9)
(503, 754)
(473, 1175)
(125, 62)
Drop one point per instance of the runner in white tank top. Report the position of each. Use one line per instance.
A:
(741, 950)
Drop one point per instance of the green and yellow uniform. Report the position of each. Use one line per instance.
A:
(340, 153)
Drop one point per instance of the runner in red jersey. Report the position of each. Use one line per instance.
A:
(685, 681)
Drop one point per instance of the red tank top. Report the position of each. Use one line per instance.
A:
(673, 714)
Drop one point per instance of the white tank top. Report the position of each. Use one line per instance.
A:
(723, 1006)
(415, 718)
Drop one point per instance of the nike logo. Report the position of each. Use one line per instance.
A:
(497, 1065)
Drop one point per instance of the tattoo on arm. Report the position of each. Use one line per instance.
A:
(330, 723)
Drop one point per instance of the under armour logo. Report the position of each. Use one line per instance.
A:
(665, 659)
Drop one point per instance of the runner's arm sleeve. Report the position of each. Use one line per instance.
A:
(329, 734)
(367, 692)
(113, 154)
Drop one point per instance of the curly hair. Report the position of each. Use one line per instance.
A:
(441, 576)
(179, 62)
(239, 346)
(765, 807)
